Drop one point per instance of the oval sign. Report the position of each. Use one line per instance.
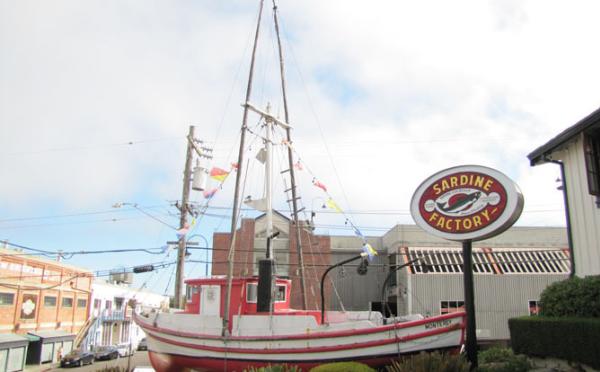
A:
(468, 202)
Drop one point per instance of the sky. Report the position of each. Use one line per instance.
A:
(96, 98)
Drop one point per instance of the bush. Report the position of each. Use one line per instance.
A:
(343, 367)
(431, 362)
(574, 297)
(571, 339)
(499, 359)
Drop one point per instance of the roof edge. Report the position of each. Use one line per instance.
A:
(538, 155)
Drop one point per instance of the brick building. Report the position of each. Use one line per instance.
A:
(250, 246)
(46, 301)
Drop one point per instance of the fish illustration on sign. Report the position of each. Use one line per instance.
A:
(459, 202)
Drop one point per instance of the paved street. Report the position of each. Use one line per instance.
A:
(139, 359)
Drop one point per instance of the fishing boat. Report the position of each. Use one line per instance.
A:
(237, 323)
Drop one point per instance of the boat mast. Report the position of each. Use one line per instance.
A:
(290, 162)
(240, 164)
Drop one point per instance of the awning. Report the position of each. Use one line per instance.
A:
(51, 336)
(8, 340)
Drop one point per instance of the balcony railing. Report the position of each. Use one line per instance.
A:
(116, 315)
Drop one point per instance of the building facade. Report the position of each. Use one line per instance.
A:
(577, 151)
(46, 301)
(511, 270)
(110, 321)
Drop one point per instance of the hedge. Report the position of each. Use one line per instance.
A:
(571, 339)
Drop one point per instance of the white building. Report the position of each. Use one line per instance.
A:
(111, 321)
(577, 151)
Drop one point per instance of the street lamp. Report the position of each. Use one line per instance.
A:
(206, 250)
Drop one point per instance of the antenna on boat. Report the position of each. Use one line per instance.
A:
(236, 198)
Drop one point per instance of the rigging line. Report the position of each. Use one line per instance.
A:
(169, 282)
(318, 123)
(153, 217)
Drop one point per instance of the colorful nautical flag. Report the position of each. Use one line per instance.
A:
(369, 251)
(298, 165)
(357, 232)
(218, 174)
(181, 233)
(209, 193)
(234, 166)
(331, 204)
(319, 184)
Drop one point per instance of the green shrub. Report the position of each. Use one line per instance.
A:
(574, 297)
(342, 367)
(571, 339)
(499, 359)
(431, 362)
(275, 368)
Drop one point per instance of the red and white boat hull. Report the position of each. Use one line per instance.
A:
(174, 347)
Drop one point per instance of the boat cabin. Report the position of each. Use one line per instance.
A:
(207, 297)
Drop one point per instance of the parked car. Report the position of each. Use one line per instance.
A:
(125, 350)
(106, 352)
(143, 345)
(77, 358)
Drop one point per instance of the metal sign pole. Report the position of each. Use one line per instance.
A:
(471, 343)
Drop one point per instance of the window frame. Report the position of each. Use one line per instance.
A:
(46, 297)
(80, 301)
(591, 152)
(12, 295)
(65, 300)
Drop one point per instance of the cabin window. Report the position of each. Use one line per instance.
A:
(81, 302)
(280, 293)
(447, 307)
(188, 293)
(591, 148)
(534, 307)
(252, 293)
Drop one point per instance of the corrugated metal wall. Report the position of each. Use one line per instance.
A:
(357, 291)
(585, 216)
(497, 297)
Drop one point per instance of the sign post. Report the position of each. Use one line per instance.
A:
(467, 203)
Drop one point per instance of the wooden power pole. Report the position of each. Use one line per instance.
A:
(185, 196)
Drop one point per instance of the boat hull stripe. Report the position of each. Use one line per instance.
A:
(319, 349)
(332, 334)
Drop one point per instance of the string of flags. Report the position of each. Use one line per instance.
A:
(367, 249)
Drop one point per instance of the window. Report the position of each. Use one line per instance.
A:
(252, 293)
(534, 307)
(97, 303)
(447, 307)
(82, 302)
(49, 301)
(119, 303)
(7, 298)
(591, 148)
(67, 302)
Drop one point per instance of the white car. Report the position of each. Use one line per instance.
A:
(125, 350)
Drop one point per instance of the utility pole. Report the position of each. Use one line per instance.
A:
(185, 196)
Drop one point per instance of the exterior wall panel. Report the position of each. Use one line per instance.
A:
(585, 215)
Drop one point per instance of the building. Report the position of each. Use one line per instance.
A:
(43, 300)
(250, 246)
(110, 321)
(577, 151)
(511, 270)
